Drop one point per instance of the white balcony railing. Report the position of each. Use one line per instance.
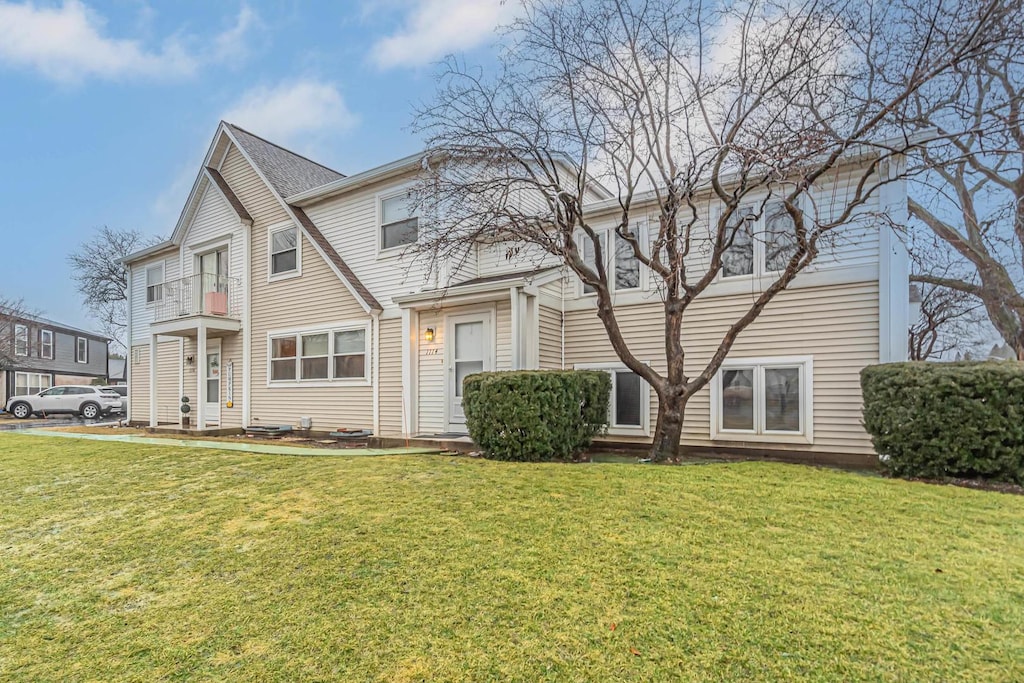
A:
(200, 294)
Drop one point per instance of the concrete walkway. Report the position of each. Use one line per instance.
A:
(263, 448)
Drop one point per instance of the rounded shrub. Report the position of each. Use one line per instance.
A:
(535, 415)
(938, 420)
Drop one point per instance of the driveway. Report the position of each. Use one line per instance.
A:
(10, 423)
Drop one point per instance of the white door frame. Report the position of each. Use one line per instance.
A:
(211, 413)
(488, 317)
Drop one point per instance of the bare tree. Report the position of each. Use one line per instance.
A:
(948, 323)
(12, 312)
(970, 188)
(676, 106)
(103, 280)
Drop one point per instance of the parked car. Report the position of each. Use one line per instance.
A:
(122, 391)
(88, 402)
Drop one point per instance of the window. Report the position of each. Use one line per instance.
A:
(82, 350)
(20, 340)
(154, 283)
(284, 251)
(590, 255)
(766, 399)
(627, 265)
(622, 265)
(350, 353)
(315, 352)
(761, 245)
(29, 383)
(629, 403)
(399, 225)
(282, 358)
(46, 344)
(320, 355)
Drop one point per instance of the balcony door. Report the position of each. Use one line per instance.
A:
(213, 283)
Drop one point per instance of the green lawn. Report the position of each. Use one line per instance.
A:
(122, 562)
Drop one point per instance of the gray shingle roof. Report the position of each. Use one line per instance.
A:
(288, 172)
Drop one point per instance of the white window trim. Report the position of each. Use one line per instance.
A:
(21, 330)
(43, 344)
(391, 252)
(759, 434)
(78, 350)
(645, 400)
(288, 274)
(329, 329)
(609, 234)
(759, 236)
(162, 265)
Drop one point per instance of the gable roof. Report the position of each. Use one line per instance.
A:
(289, 173)
(228, 193)
(333, 256)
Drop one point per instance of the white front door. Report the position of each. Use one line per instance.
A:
(213, 368)
(470, 349)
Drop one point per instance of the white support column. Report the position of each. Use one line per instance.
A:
(152, 381)
(374, 344)
(516, 331)
(410, 349)
(200, 401)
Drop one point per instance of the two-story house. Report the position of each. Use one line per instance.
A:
(287, 291)
(43, 353)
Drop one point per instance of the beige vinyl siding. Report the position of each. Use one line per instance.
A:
(837, 325)
(169, 361)
(550, 339)
(214, 220)
(142, 313)
(317, 297)
(390, 385)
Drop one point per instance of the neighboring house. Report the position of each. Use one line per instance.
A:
(45, 353)
(287, 291)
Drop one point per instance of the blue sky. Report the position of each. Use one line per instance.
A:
(106, 108)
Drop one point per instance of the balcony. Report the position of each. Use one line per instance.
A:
(213, 302)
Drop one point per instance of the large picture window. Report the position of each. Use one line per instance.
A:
(30, 383)
(338, 353)
(399, 225)
(763, 399)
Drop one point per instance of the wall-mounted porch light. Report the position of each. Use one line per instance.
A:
(429, 334)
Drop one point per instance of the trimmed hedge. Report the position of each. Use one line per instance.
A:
(535, 415)
(938, 420)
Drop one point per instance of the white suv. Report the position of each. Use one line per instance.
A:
(89, 402)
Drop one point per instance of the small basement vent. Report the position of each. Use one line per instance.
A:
(305, 423)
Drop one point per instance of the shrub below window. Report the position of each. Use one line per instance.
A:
(937, 420)
(535, 415)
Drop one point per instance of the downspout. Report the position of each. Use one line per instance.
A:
(247, 326)
(130, 352)
(375, 372)
(561, 316)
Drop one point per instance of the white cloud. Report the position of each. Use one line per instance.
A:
(294, 112)
(434, 28)
(232, 44)
(68, 44)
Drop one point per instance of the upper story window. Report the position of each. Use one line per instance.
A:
(82, 350)
(154, 283)
(399, 225)
(46, 344)
(761, 245)
(20, 340)
(763, 399)
(284, 251)
(622, 265)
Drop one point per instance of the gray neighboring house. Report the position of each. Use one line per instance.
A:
(47, 353)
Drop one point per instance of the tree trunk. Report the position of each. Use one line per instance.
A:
(669, 429)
